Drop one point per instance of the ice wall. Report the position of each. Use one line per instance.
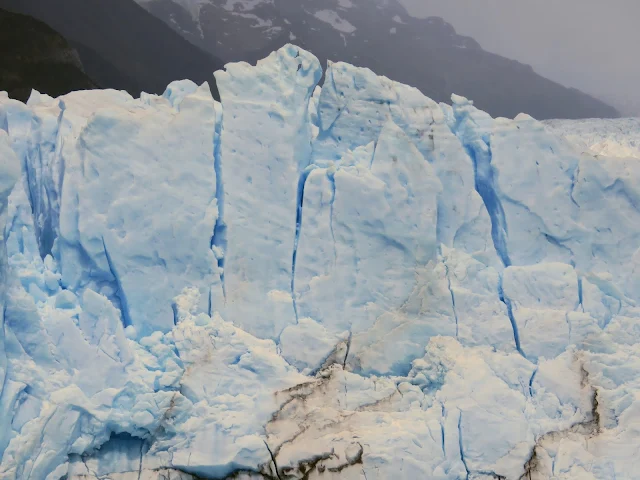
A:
(9, 174)
(349, 281)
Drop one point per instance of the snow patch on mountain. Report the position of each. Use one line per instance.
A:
(243, 5)
(332, 18)
(346, 4)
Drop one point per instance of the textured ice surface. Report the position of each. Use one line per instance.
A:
(606, 137)
(348, 281)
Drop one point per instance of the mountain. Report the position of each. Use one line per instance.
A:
(351, 282)
(121, 45)
(34, 56)
(379, 34)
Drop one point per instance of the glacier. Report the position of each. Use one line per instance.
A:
(304, 282)
(607, 137)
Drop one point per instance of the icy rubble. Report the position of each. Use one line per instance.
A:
(341, 282)
(618, 137)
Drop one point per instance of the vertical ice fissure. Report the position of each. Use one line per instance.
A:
(486, 188)
(568, 321)
(453, 298)
(120, 294)
(140, 462)
(273, 459)
(443, 414)
(348, 349)
(574, 180)
(531, 379)
(464, 461)
(294, 257)
(479, 150)
(332, 179)
(42, 193)
(512, 319)
(174, 309)
(219, 238)
(580, 304)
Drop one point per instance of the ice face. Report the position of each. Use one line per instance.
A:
(260, 170)
(9, 174)
(349, 281)
(102, 241)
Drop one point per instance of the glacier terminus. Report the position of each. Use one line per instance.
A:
(305, 281)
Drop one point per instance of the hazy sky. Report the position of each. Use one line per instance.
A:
(593, 45)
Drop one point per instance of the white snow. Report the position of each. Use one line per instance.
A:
(346, 4)
(346, 282)
(242, 5)
(259, 22)
(332, 18)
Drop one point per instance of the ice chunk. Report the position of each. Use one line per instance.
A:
(178, 90)
(124, 212)
(481, 317)
(366, 215)
(354, 106)
(319, 344)
(265, 147)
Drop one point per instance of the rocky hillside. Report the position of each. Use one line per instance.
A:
(121, 45)
(36, 56)
(381, 35)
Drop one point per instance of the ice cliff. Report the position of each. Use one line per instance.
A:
(348, 282)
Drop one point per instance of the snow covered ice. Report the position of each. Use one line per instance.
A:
(618, 137)
(340, 281)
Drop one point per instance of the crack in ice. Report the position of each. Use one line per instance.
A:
(453, 298)
(120, 294)
(512, 319)
(294, 257)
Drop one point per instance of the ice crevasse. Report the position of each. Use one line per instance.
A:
(301, 282)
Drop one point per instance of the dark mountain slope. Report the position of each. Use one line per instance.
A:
(34, 56)
(97, 66)
(379, 34)
(121, 44)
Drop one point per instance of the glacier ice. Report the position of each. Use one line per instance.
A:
(607, 137)
(346, 281)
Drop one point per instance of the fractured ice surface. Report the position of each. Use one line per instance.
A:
(347, 281)
(618, 137)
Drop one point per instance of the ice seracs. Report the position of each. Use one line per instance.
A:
(260, 170)
(606, 137)
(347, 281)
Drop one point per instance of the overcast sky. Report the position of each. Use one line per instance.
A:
(593, 45)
